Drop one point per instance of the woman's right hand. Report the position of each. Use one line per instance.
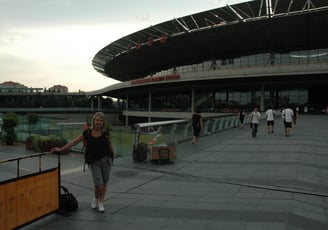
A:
(56, 150)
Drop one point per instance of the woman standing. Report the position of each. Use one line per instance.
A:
(241, 115)
(99, 146)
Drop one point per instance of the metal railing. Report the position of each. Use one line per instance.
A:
(181, 130)
(29, 167)
(124, 138)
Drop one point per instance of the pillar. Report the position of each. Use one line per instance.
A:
(149, 105)
(126, 111)
(99, 102)
(262, 98)
(192, 100)
(92, 105)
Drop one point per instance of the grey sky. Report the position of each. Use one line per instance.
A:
(49, 42)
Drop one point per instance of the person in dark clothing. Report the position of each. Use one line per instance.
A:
(99, 145)
(197, 125)
(241, 115)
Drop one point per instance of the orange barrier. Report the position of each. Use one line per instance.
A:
(25, 199)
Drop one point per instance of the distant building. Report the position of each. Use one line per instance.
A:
(10, 86)
(58, 89)
(15, 87)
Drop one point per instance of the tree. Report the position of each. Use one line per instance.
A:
(32, 119)
(10, 121)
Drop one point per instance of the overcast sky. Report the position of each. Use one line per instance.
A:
(52, 42)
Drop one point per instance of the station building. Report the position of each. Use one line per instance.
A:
(259, 53)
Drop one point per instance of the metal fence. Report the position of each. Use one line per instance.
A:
(123, 137)
(181, 130)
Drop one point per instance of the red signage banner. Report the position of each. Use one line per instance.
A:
(172, 77)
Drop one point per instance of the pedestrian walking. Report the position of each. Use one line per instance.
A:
(255, 120)
(270, 115)
(100, 148)
(197, 125)
(287, 115)
(241, 115)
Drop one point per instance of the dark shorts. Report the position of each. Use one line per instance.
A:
(270, 123)
(288, 124)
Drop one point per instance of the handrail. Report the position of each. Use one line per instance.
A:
(18, 159)
(24, 157)
(18, 192)
(158, 123)
(181, 130)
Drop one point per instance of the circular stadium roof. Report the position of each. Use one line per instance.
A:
(221, 33)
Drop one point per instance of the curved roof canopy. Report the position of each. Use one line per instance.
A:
(232, 31)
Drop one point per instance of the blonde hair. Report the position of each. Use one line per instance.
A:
(102, 116)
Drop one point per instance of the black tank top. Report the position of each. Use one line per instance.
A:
(97, 146)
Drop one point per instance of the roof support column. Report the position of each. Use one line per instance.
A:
(192, 100)
(91, 104)
(262, 98)
(269, 10)
(149, 105)
(126, 110)
(99, 103)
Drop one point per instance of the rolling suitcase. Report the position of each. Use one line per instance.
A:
(140, 152)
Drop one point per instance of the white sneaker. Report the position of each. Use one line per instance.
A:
(101, 207)
(94, 203)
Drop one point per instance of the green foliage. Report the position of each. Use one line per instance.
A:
(10, 121)
(108, 126)
(46, 143)
(9, 138)
(39, 142)
(32, 118)
(59, 142)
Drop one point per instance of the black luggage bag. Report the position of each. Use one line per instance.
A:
(67, 202)
(140, 152)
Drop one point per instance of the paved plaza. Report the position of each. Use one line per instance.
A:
(228, 181)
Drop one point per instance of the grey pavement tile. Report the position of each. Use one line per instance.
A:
(297, 222)
(265, 226)
(278, 195)
(275, 206)
(315, 200)
(309, 210)
(229, 181)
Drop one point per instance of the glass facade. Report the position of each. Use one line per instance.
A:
(139, 102)
(164, 102)
(219, 101)
(217, 98)
(295, 57)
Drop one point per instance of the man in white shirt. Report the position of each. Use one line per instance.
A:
(288, 114)
(270, 113)
(255, 120)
